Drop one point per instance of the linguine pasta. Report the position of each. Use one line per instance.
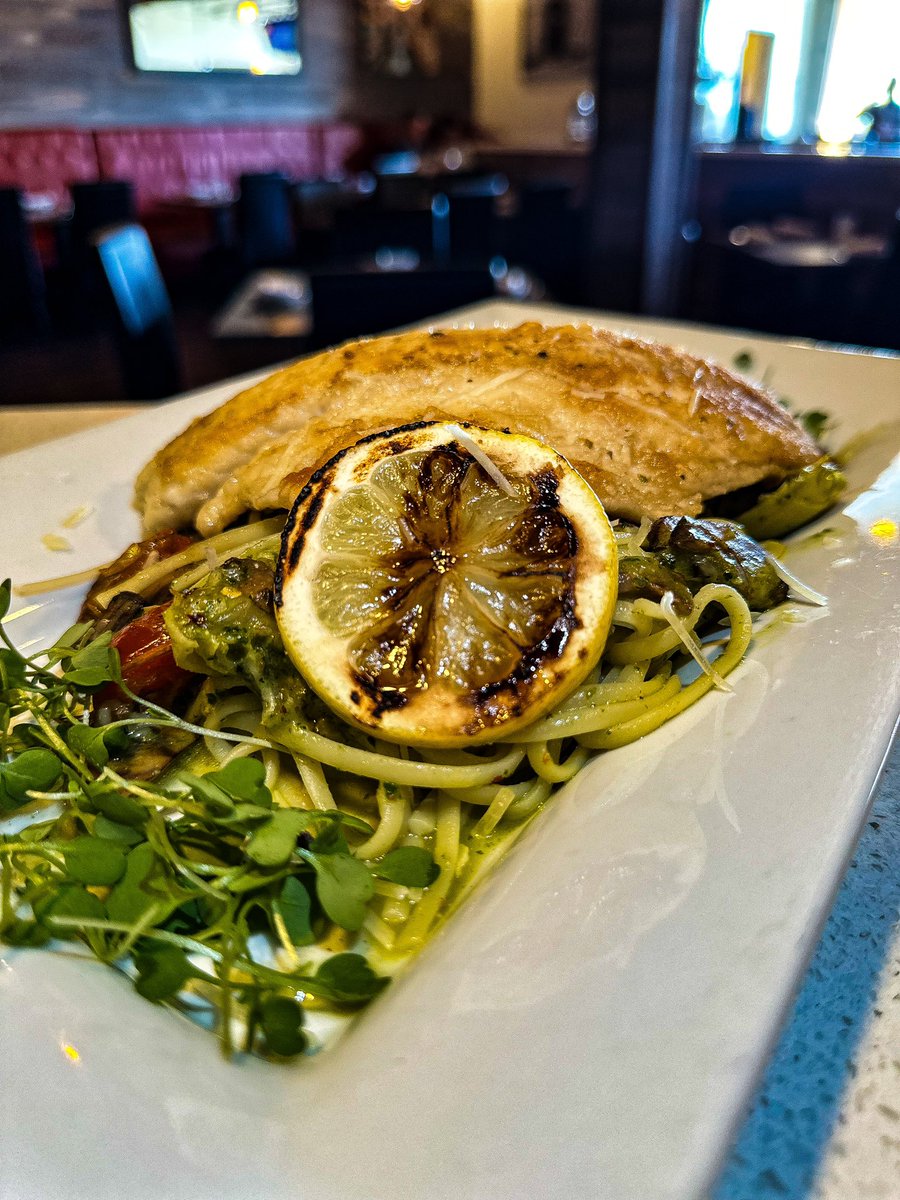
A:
(467, 806)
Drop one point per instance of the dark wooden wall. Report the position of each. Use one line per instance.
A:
(853, 301)
(64, 62)
(740, 184)
(641, 168)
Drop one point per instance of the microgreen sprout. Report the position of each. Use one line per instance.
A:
(173, 880)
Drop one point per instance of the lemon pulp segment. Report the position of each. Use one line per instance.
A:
(442, 587)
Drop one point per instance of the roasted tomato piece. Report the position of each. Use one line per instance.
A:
(145, 649)
(148, 663)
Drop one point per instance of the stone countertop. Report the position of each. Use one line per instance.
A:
(825, 1123)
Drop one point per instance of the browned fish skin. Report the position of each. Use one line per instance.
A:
(654, 431)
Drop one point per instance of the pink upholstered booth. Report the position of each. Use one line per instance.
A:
(46, 161)
(168, 163)
(337, 140)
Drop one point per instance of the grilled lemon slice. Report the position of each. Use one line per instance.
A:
(442, 585)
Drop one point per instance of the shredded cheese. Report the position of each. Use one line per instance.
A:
(691, 642)
(644, 407)
(498, 381)
(631, 541)
(77, 516)
(76, 579)
(21, 612)
(482, 459)
(797, 586)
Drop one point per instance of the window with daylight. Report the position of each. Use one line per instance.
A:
(726, 24)
(864, 58)
(831, 61)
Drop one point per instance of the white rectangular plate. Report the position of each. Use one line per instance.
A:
(591, 1022)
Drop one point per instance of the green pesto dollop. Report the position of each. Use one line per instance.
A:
(224, 627)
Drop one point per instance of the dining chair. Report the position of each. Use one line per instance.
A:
(100, 203)
(349, 304)
(265, 219)
(545, 236)
(366, 229)
(95, 205)
(23, 294)
(143, 323)
(474, 232)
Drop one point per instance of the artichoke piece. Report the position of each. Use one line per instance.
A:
(704, 550)
(797, 501)
(149, 751)
(649, 579)
(122, 610)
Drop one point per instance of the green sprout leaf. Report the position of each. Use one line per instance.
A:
(143, 887)
(330, 840)
(32, 770)
(94, 861)
(94, 743)
(281, 1021)
(274, 842)
(348, 978)
(12, 669)
(410, 866)
(95, 664)
(113, 831)
(162, 970)
(66, 642)
(23, 932)
(328, 827)
(293, 906)
(189, 918)
(117, 805)
(217, 801)
(243, 779)
(344, 886)
(69, 900)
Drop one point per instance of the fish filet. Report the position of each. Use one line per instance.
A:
(653, 430)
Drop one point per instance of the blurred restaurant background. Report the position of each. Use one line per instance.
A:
(190, 189)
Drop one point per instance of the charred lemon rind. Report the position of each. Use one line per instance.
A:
(443, 585)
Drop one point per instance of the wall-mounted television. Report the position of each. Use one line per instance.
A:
(256, 37)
